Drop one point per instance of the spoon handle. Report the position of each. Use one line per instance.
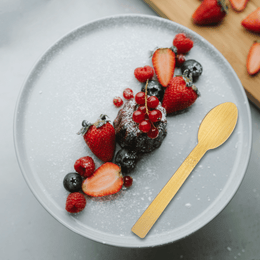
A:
(155, 209)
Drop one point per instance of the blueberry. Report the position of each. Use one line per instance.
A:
(154, 88)
(72, 182)
(126, 159)
(193, 68)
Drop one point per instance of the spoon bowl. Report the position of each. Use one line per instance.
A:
(218, 125)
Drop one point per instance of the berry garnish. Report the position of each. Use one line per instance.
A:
(154, 88)
(85, 166)
(180, 60)
(152, 102)
(126, 159)
(140, 98)
(106, 180)
(164, 64)
(75, 202)
(182, 43)
(72, 182)
(192, 68)
(145, 126)
(100, 138)
(178, 96)
(128, 181)
(155, 115)
(142, 109)
(128, 93)
(118, 102)
(144, 73)
(138, 116)
(153, 133)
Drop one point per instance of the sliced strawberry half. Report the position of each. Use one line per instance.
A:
(106, 180)
(238, 5)
(164, 64)
(252, 21)
(253, 59)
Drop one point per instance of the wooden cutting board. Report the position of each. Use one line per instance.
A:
(229, 37)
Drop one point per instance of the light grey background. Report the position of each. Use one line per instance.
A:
(27, 29)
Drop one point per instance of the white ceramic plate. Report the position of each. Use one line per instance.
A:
(77, 79)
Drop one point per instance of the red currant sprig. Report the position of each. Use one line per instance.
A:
(143, 116)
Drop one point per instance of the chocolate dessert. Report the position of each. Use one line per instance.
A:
(128, 134)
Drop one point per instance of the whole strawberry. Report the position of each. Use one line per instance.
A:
(210, 12)
(179, 95)
(100, 138)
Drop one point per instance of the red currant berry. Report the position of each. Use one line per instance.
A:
(118, 102)
(140, 98)
(128, 181)
(153, 133)
(138, 116)
(145, 126)
(142, 108)
(128, 93)
(152, 102)
(180, 60)
(155, 115)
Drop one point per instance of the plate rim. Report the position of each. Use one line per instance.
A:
(142, 244)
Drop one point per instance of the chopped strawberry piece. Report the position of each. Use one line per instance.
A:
(164, 64)
(253, 59)
(106, 180)
(252, 21)
(238, 5)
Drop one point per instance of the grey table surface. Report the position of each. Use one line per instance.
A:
(27, 29)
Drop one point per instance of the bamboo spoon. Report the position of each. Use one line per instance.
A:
(214, 130)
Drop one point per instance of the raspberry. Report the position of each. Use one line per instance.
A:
(85, 166)
(75, 203)
(118, 102)
(128, 93)
(182, 43)
(142, 74)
